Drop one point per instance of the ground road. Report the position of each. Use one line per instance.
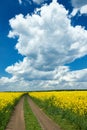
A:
(17, 119)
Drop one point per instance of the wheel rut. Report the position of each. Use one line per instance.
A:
(17, 119)
(45, 122)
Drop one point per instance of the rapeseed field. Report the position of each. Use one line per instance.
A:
(71, 105)
(7, 102)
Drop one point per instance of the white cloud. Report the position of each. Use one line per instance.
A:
(48, 42)
(83, 10)
(25, 69)
(48, 39)
(79, 5)
(25, 2)
(64, 74)
(38, 1)
(74, 12)
(42, 1)
(20, 1)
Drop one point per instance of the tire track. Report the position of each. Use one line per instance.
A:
(45, 122)
(17, 119)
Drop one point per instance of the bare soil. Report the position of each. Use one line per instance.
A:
(45, 122)
(17, 119)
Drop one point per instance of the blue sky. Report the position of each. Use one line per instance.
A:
(43, 44)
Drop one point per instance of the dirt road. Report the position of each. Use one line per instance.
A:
(17, 120)
(45, 122)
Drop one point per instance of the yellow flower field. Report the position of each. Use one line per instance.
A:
(72, 100)
(68, 106)
(7, 103)
(8, 98)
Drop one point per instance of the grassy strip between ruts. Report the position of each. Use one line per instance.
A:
(31, 122)
(58, 116)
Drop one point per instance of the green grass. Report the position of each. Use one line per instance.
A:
(31, 122)
(66, 119)
(6, 113)
(5, 116)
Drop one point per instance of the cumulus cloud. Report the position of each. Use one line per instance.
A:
(48, 42)
(64, 74)
(24, 69)
(83, 10)
(48, 39)
(20, 2)
(64, 79)
(79, 5)
(38, 1)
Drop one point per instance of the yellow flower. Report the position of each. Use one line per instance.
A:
(75, 101)
(7, 98)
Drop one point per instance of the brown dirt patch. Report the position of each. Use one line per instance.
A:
(45, 122)
(17, 119)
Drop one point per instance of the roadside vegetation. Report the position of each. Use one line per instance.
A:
(31, 122)
(7, 102)
(68, 109)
